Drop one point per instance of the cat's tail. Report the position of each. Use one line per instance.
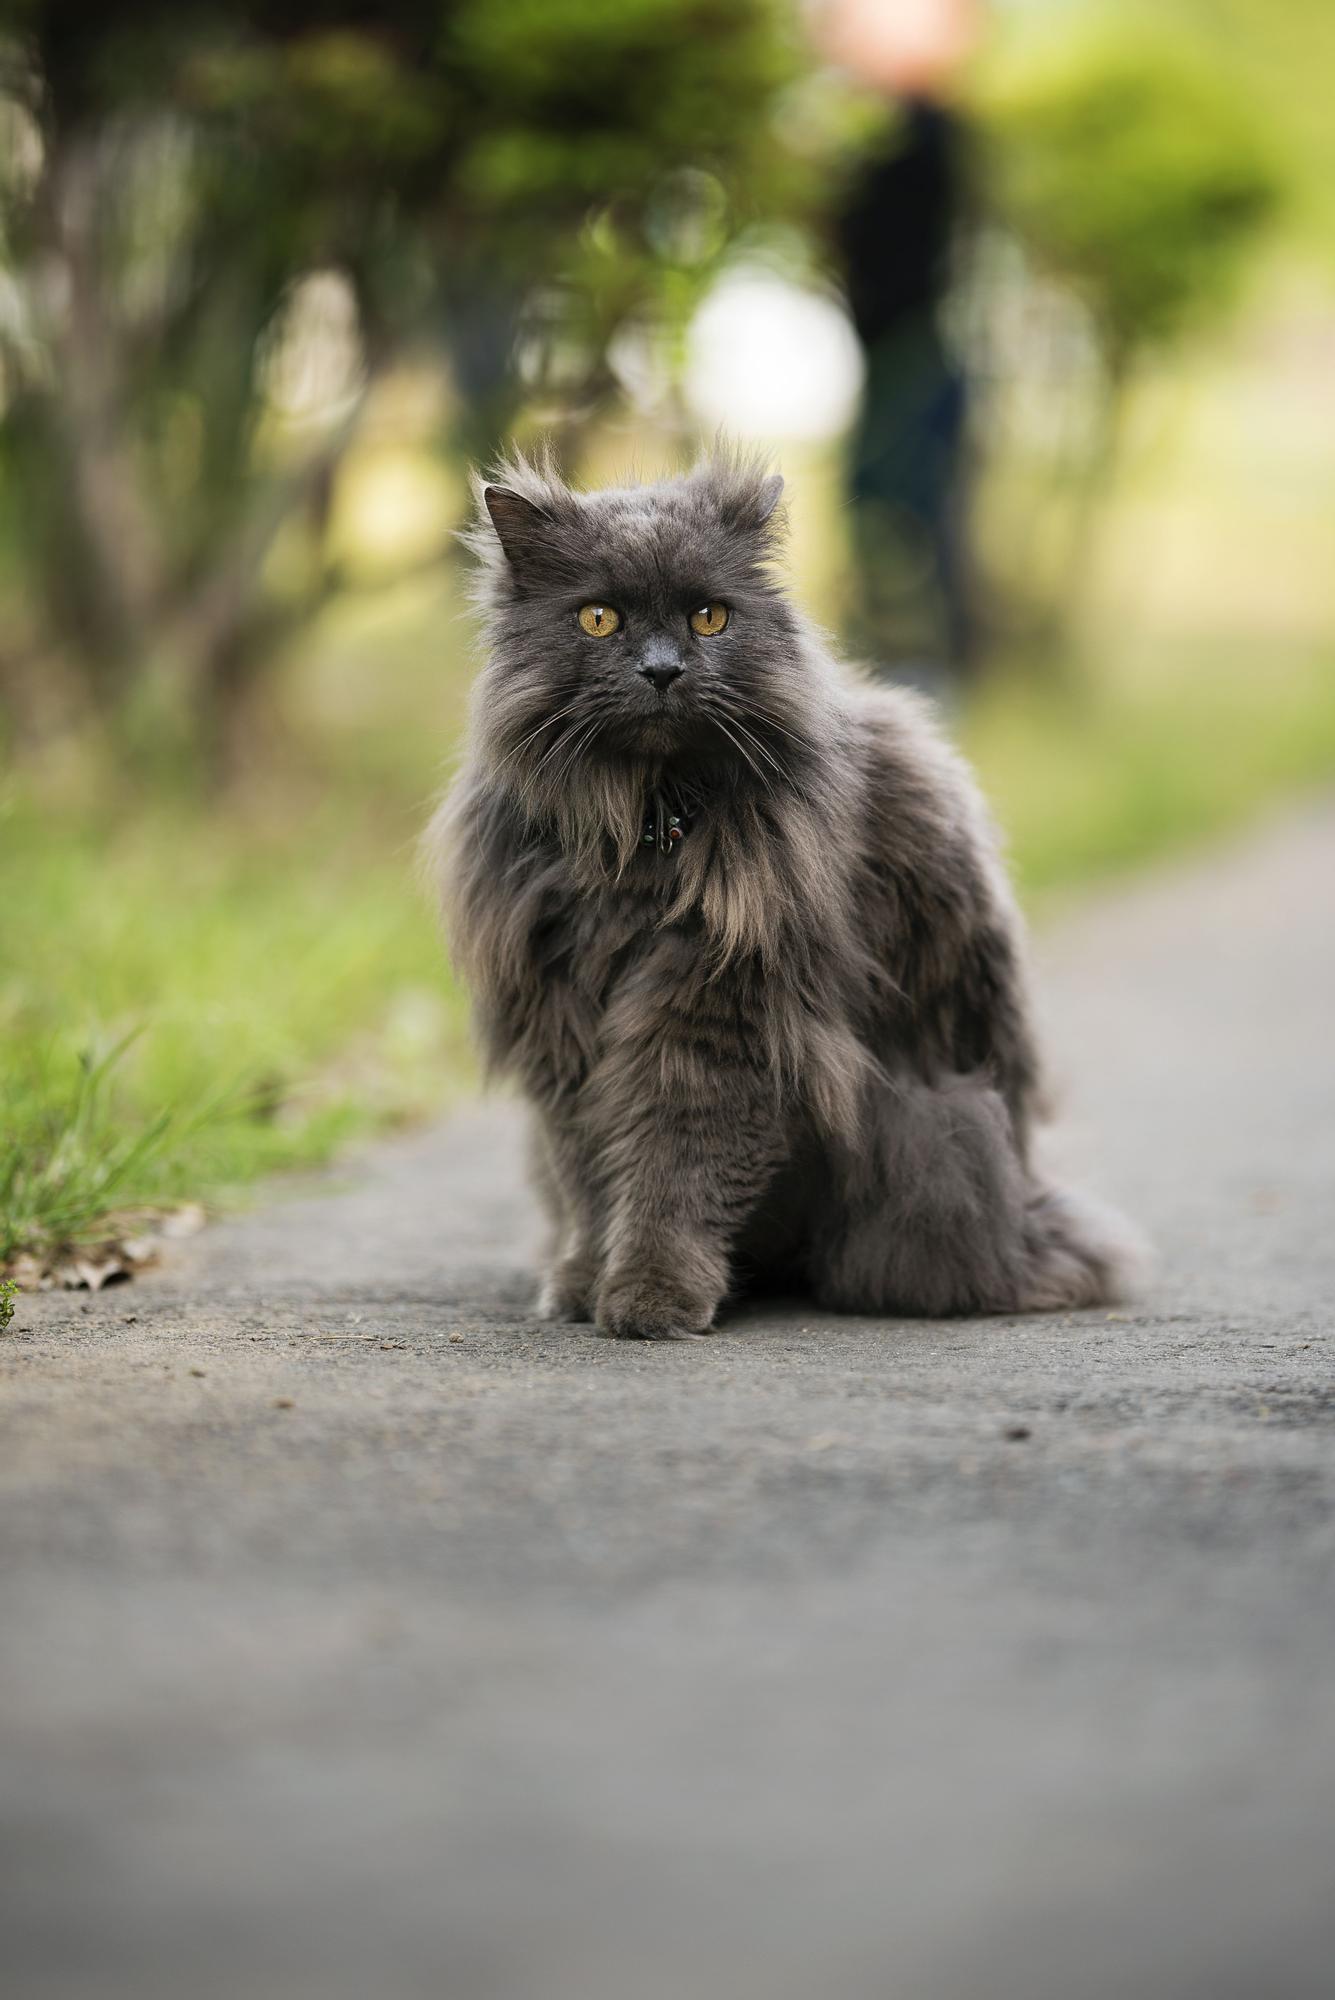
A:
(1076, 1252)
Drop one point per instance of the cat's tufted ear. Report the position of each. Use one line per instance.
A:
(750, 505)
(521, 528)
(768, 498)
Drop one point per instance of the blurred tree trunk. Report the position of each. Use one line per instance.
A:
(1081, 500)
(124, 600)
(104, 574)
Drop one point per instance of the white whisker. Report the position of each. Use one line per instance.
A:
(719, 723)
(749, 736)
(546, 723)
(766, 715)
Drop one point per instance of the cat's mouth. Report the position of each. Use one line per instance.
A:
(673, 724)
(664, 723)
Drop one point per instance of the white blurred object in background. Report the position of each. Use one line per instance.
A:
(768, 358)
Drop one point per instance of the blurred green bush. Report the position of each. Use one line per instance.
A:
(1133, 167)
(1127, 179)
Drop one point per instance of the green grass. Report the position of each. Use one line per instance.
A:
(186, 1004)
(189, 1001)
(1124, 766)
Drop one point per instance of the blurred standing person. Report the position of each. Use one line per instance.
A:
(915, 614)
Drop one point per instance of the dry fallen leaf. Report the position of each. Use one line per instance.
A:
(133, 1241)
(187, 1220)
(93, 1271)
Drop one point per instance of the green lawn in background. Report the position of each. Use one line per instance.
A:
(1121, 768)
(189, 1000)
(187, 1003)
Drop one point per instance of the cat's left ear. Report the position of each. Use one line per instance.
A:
(521, 528)
(752, 507)
(768, 498)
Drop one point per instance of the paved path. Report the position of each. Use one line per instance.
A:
(361, 1638)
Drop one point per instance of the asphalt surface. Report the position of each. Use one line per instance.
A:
(360, 1637)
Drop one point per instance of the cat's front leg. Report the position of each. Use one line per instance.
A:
(661, 1291)
(568, 1188)
(567, 1292)
(683, 1175)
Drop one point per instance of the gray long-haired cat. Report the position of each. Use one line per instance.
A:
(738, 925)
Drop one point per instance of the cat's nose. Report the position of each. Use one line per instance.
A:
(662, 676)
(660, 663)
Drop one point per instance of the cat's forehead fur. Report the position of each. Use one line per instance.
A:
(709, 530)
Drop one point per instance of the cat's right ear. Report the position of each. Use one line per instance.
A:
(521, 528)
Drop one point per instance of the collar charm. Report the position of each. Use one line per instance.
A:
(665, 825)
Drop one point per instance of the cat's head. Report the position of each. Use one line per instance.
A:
(638, 624)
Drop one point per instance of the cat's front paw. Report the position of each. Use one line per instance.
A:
(567, 1294)
(648, 1306)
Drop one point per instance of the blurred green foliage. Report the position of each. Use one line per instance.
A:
(1127, 180)
(1131, 165)
(1284, 53)
(220, 226)
(223, 226)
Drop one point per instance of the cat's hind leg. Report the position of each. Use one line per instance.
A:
(937, 1214)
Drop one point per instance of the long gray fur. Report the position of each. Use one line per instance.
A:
(795, 1052)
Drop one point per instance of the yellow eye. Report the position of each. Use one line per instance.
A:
(709, 619)
(599, 620)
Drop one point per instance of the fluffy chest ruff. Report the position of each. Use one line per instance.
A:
(729, 945)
